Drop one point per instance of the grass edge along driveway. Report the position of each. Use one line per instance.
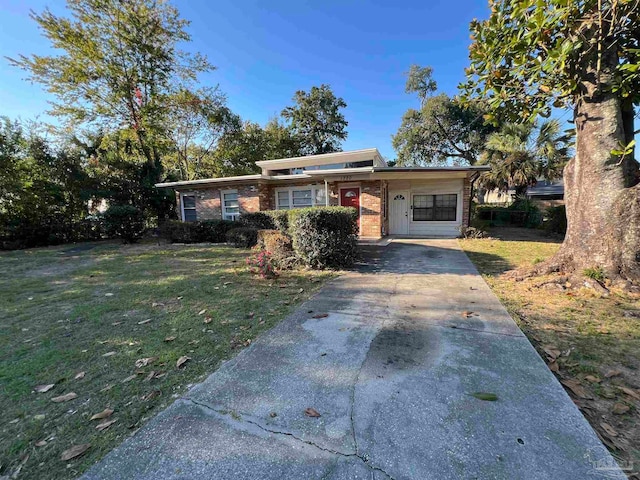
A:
(101, 329)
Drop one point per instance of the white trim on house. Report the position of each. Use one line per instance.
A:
(324, 159)
(315, 188)
(195, 206)
(223, 206)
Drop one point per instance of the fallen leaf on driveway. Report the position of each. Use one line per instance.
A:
(143, 362)
(466, 314)
(44, 388)
(620, 409)
(103, 414)
(311, 412)
(74, 451)
(576, 388)
(321, 315)
(182, 360)
(169, 339)
(486, 396)
(105, 425)
(64, 398)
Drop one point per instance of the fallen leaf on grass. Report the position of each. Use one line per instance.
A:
(109, 354)
(104, 425)
(486, 396)
(208, 319)
(108, 294)
(609, 429)
(74, 451)
(552, 353)
(44, 388)
(321, 315)
(592, 379)
(64, 398)
(631, 393)
(106, 413)
(620, 409)
(554, 367)
(129, 378)
(612, 373)
(143, 322)
(202, 312)
(150, 395)
(182, 360)
(79, 375)
(143, 362)
(576, 388)
(169, 339)
(41, 443)
(312, 412)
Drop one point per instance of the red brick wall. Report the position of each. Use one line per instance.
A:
(371, 209)
(208, 204)
(466, 202)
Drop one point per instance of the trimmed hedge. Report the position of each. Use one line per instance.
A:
(214, 231)
(279, 245)
(242, 237)
(324, 237)
(124, 221)
(556, 220)
(266, 220)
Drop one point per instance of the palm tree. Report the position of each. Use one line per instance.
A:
(521, 154)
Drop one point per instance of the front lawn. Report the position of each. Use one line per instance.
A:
(109, 323)
(592, 344)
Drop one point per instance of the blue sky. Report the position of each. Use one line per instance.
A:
(265, 51)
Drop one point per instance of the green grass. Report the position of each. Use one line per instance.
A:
(62, 310)
(595, 335)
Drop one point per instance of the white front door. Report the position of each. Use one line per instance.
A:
(399, 213)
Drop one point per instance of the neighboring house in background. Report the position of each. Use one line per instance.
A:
(545, 193)
(420, 201)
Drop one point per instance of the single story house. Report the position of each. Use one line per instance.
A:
(545, 193)
(412, 201)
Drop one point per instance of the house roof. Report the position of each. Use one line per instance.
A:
(325, 159)
(544, 188)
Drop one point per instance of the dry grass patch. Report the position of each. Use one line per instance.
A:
(122, 329)
(592, 344)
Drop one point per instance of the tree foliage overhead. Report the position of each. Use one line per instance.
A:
(521, 154)
(442, 130)
(316, 120)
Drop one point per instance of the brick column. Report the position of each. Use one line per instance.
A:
(466, 202)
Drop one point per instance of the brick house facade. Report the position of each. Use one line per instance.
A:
(391, 201)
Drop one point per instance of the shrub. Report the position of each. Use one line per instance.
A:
(242, 237)
(280, 219)
(595, 273)
(125, 222)
(324, 237)
(556, 220)
(279, 245)
(259, 220)
(262, 263)
(213, 231)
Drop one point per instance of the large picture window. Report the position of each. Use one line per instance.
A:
(189, 208)
(300, 197)
(435, 208)
(230, 205)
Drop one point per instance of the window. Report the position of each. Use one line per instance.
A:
(230, 205)
(300, 197)
(434, 208)
(189, 208)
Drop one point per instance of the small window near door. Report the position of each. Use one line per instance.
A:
(435, 208)
(230, 205)
(399, 197)
(189, 208)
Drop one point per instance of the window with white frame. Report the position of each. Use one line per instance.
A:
(430, 208)
(300, 197)
(189, 208)
(230, 204)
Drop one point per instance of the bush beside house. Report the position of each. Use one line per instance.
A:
(214, 231)
(125, 222)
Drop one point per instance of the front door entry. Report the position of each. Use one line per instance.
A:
(350, 197)
(399, 213)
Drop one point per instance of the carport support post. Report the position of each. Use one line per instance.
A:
(326, 193)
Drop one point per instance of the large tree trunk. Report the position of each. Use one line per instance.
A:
(602, 194)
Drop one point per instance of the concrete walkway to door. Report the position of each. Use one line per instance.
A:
(392, 369)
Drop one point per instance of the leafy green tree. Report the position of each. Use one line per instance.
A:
(532, 55)
(442, 130)
(281, 141)
(117, 67)
(316, 120)
(238, 150)
(521, 154)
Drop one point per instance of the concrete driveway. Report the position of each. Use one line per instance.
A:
(392, 370)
